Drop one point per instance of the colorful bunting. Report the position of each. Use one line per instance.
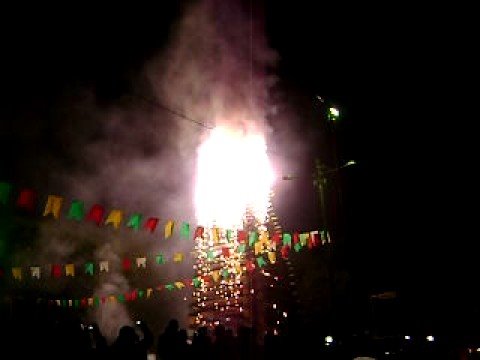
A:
(170, 287)
(287, 239)
(96, 214)
(199, 232)
(285, 251)
(53, 206)
(26, 200)
(215, 234)
(225, 251)
(5, 189)
(169, 228)
(252, 238)
(115, 217)
(272, 257)
(70, 270)
(134, 221)
(215, 275)
(241, 236)
(77, 210)
(296, 238)
(35, 270)
(277, 238)
(89, 268)
(178, 257)
(149, 292)
(103, 266)
(297, 247)
(196, 282)
(241, 248)
(160, 259)
(303, 238)
(127, 264)
(56, 270)
(261, 261)
(17, 273)
(185, 230)
(142, 262)
(228, 235)
(179, 284)
(151, 224)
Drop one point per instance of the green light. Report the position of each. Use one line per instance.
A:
(333, 113)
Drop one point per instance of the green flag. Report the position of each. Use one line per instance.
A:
(229, 235)
(64, 303)
(96, 301)
(5, 189)
(77, 210)
(287, 239)
(170, 287)
(185, 230)
(298, 247)
(76, 303)
(160, 259)
(210, 255)
(140, 293)
(196, 282)
(261, 262)
(135, 221)
(89, 268)
(241, 248)
(224, 273)
(121, 298)
(252, 238)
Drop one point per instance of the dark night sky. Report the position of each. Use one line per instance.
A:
(385, 68)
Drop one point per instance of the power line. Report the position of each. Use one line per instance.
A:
(158, 104)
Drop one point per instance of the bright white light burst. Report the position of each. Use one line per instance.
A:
(233, 173)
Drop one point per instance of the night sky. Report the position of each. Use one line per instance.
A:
(384, 69)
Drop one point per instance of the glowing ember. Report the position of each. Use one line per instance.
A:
(233, 173)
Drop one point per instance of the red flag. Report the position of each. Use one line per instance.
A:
(241, 236)
(285, 251)
(250, 266)
(127, 264)
(277, 238)
(96, 214)
(151, 224)
(83, 302)
(26, 200)
(296, 237)
(199, 232)
(225, 251)
(104, 299)
(56, 270)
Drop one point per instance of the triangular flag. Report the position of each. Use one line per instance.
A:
(121, 298)
(89, 268)
(185, 230)
(140, 293)
(199, 232)
(215, 275)
(296, 238)
(258, 247)
(35, 270)
(77, 210)
(304, 238)
(134, 221)
(179, 284)
(96, 214)
(56, 270)
(126, 264)
(241, 236)
(261, 262)
(285, 251)
(70, 270)
(314, 239)
(297, 247)
(17, 273)
(53, 206)
(170, 287)
(169, 228)
(112, 298)
(225, 251)
(250, 265)
(26, 200)
(215, 234)
(272, 257)
(287, 239)
(160, 259)
(5, 189)
(151, 224)
(252, 238)
(277, 238)
(241, 248)
(115, 217)
(178, 257)
(141, 262)
(103, 265)
(196, 282)
(149, 292)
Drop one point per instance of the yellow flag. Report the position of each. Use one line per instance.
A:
(115, 217)
(272, 257)
(215, 275)
(70, 270)
(17, 273)
(169, 228)
(239, 269)
(149, 292)
(112, 298)
(216, 234)
(258, 247)
(264, 237)
(53, 206)
(178, 257)
(90, 301)
(179, 284)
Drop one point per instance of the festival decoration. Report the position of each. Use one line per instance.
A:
(53, 206)
(115, 218)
